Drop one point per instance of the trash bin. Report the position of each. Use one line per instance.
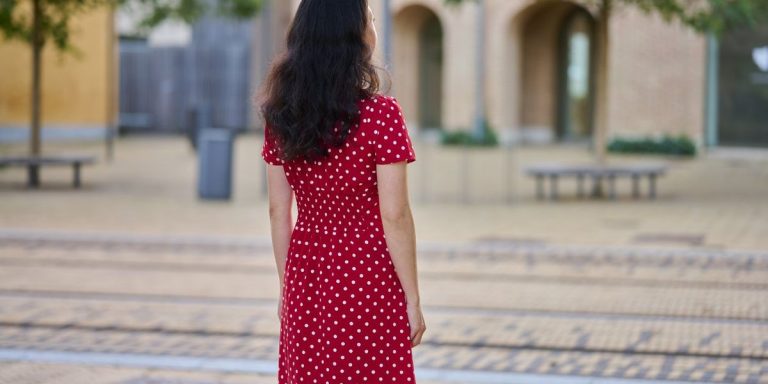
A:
(215, 147)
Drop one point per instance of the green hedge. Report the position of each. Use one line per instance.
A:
(465, 137)
(680, 145)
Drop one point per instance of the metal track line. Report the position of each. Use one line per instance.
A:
(256, 366)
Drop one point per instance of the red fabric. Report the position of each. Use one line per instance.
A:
(344, 310)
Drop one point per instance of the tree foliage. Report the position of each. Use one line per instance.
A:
(38, 22)
(16, 16)
(158, 11)
(16, 20)
(707, 16)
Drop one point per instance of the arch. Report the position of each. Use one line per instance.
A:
(418, 64)
(541, 54)
(576, 77)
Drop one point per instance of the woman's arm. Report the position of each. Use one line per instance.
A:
(399, 228)
(280, 216)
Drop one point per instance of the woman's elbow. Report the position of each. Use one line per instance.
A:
(277, 211)
(396, 214)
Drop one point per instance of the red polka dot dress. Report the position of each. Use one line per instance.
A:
(344, 310)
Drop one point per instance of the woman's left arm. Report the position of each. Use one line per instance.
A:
(280, 216)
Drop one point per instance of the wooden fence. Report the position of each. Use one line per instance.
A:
(160, 87)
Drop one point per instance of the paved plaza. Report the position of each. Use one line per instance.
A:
(132, 279)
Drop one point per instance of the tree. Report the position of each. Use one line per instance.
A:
(48, 21)
(704, 16)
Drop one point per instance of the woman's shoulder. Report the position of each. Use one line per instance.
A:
(381, 108)
(380, 100)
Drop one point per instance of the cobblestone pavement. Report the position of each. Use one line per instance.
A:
(134, 280)
(143, 309)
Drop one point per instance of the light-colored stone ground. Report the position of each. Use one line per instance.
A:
(40, 373)
(719, 200)
(586, 312)
(134, 264)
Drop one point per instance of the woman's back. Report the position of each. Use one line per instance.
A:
(344, 315)
(339, 193)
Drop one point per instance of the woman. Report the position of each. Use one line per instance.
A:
(349, 303)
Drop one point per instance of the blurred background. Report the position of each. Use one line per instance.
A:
(590, 192)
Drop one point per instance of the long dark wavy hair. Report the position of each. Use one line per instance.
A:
(313, 88)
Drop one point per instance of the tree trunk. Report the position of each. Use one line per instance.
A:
(601, 98)
(37, 47)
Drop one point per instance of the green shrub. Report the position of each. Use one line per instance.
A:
(465, 137)
(680, 145)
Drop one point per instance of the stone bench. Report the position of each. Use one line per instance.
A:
(597, 173)
(34, 163)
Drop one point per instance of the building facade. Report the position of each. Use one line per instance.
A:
(540, 69)
(539, 72)
(740, 65)
(79, 94)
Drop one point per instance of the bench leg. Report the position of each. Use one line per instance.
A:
(612, 187)
(76, 179)
(580, 185)
(33, 176)
(553, 187)
(597, 190)
(652, 186)
(540, 187)
(635, 186)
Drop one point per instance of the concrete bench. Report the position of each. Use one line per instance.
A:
(597, 173)
(34, 163)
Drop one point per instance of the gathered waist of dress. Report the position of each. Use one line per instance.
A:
(357, 194)
(320, 223)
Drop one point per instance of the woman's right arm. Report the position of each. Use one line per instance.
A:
(400, 236)
(393, 151)
(399, 229)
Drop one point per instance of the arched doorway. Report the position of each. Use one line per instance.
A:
(576, 76)
(557, 64)
(742, 86)
(418, 65)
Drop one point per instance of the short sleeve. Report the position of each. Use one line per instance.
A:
(270, 151)
(391, 140)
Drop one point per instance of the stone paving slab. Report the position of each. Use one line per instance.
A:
(62, 373)
(590, 332)
(719, 201)
(39, 373)
(559, 311)
(563, 296)
(625, 264)
(530, 264)
(449, 357)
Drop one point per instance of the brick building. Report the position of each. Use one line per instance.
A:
(539, 73)
(540, 70)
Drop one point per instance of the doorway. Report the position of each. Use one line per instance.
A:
(576, 77)
(418, 65)
(431, 73)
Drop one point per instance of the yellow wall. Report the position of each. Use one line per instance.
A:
(77, 92)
